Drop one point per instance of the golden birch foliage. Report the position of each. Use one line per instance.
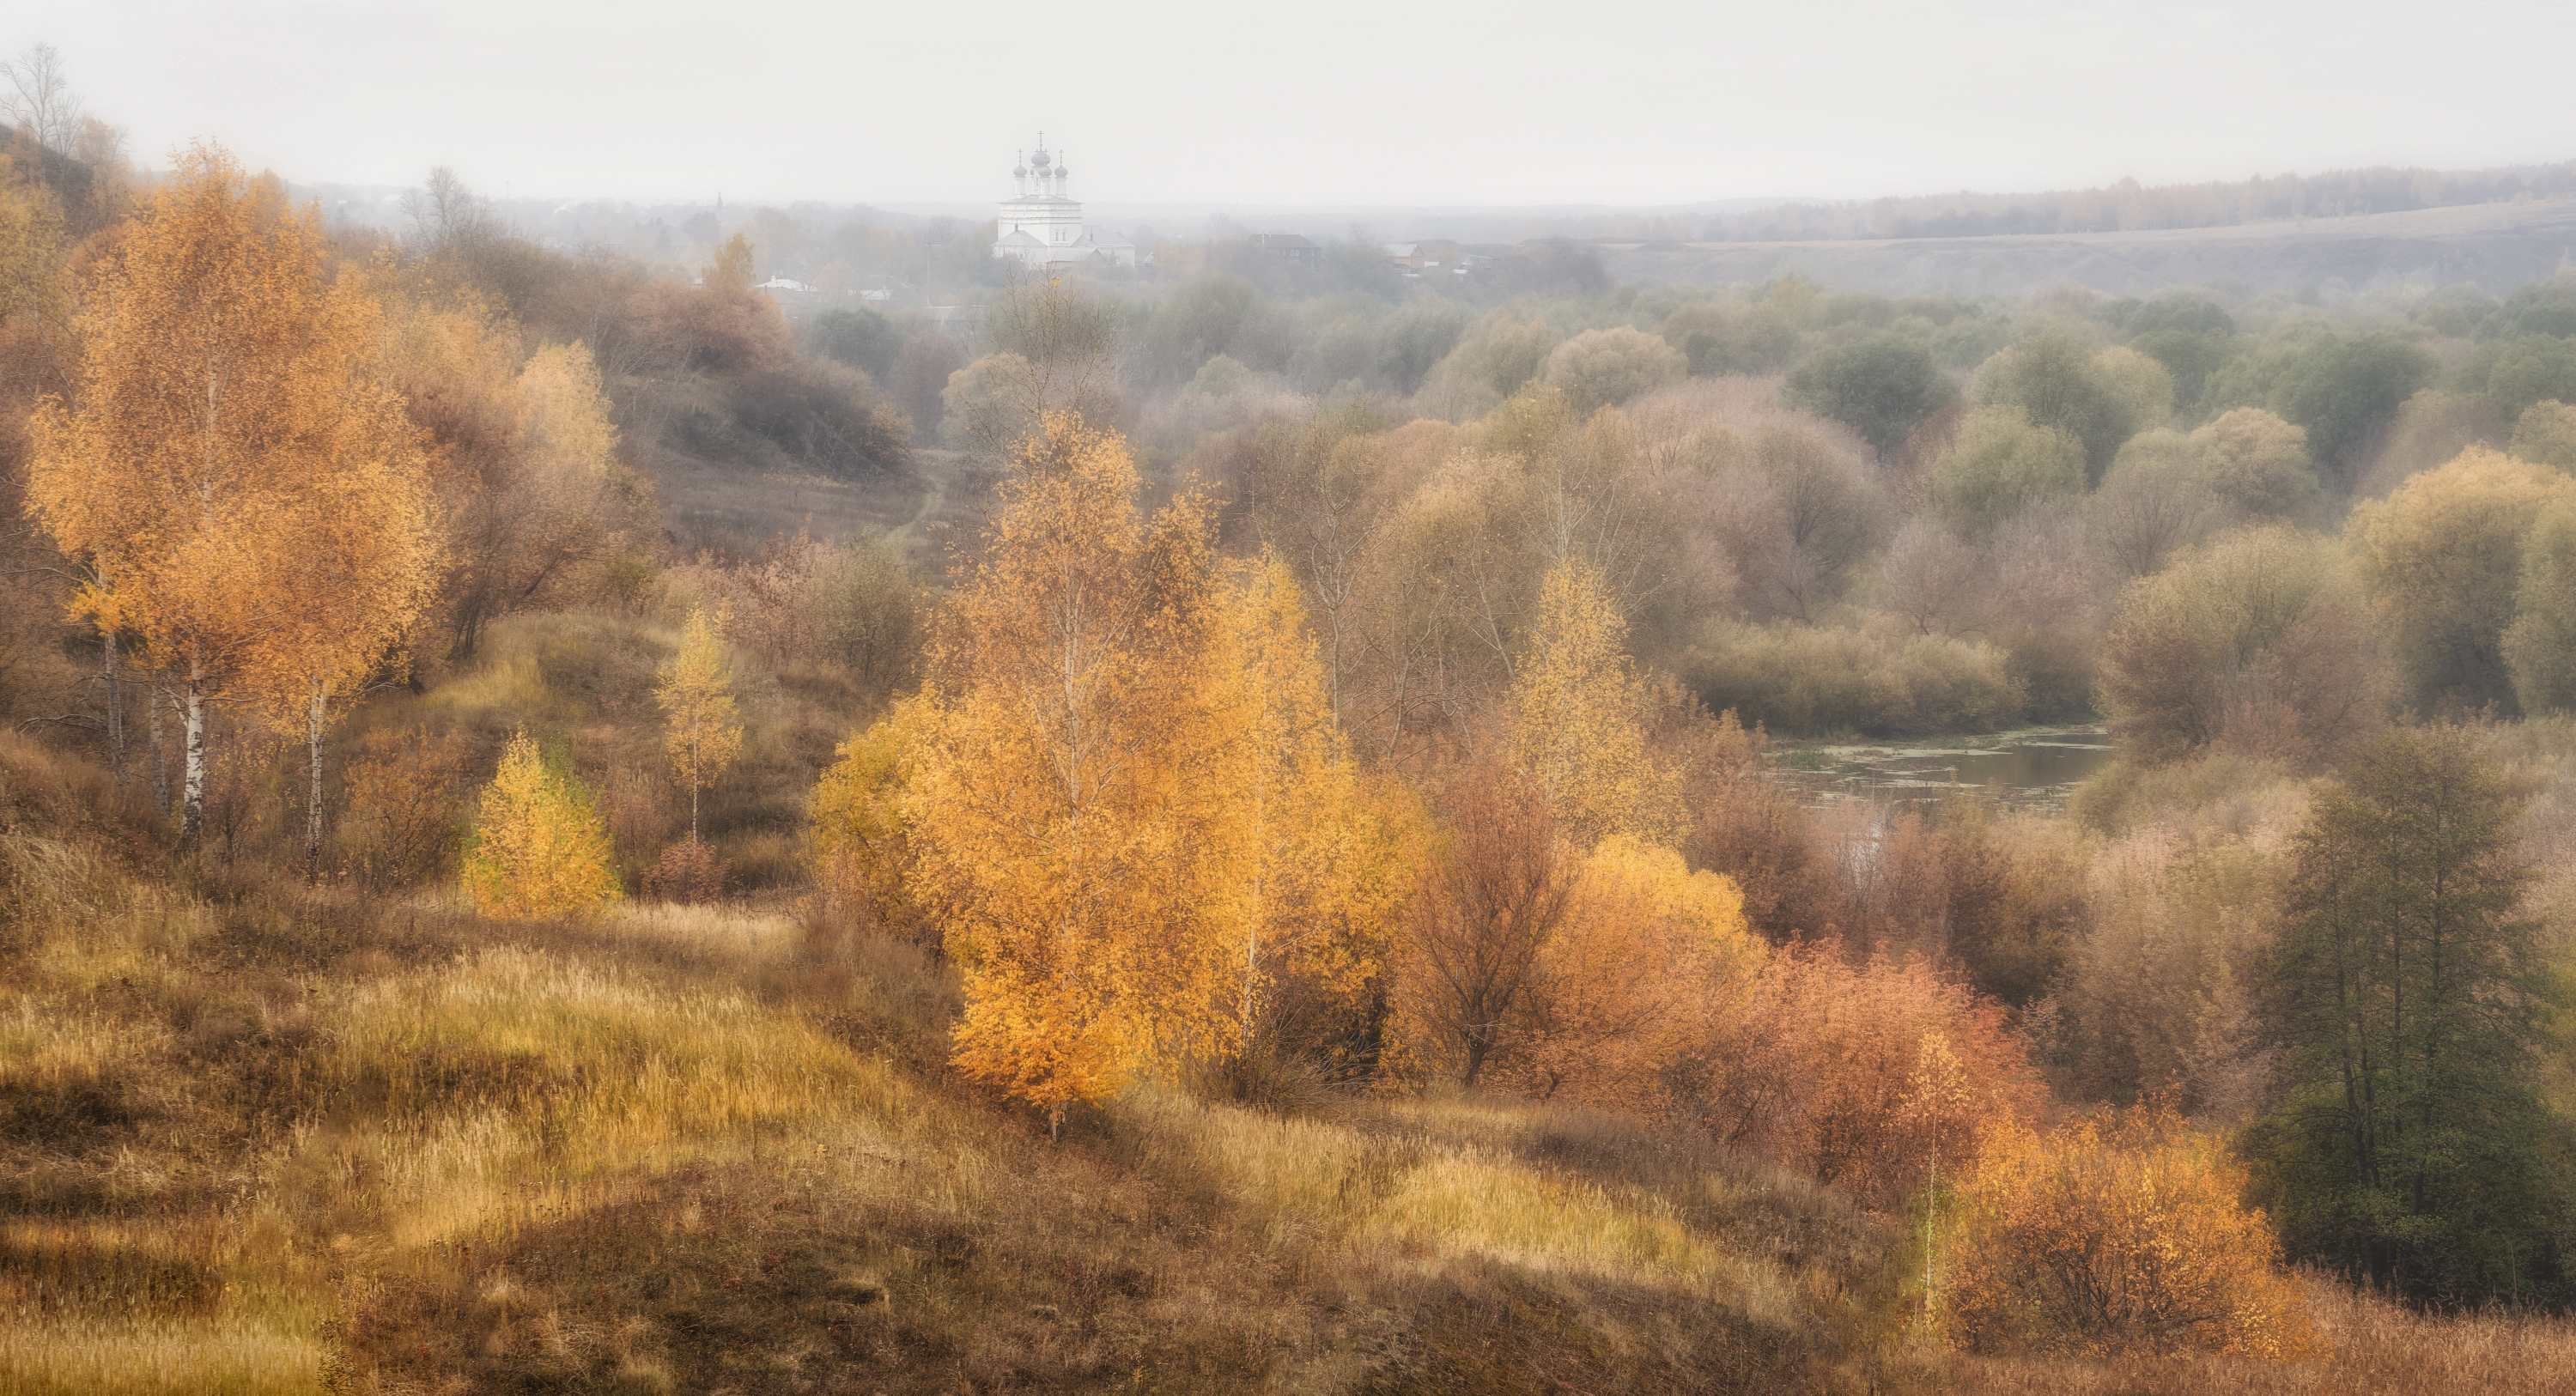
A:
(1578, 712)
(696, 698)
(860, 840)
(2119, 1237)
(250, 493)
(1311, 882)
(1703, 909)
(567, 409)
(168, 468)
(367, 552)
(367, 549)
(540, 847)
(1069, 822)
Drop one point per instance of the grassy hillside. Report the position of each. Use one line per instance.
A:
(265, 1139)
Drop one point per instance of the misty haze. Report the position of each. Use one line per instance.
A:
(1854, 699)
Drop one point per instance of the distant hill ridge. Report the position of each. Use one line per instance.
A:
(2129, 206)
(2495, 247)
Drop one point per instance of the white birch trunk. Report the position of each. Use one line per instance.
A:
(192, 788)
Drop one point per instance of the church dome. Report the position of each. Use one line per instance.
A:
(1041, 161)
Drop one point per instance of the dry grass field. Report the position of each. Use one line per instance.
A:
(736, 510)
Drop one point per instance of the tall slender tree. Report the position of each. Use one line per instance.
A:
(1312, 894)
(366, 558)
(697, 700)
(2408, 1146)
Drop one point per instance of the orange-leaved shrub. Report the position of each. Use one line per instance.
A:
(1873, 1076)
(2117, 1235)
(1650, 954)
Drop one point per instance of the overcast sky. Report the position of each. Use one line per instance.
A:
(1319, 102)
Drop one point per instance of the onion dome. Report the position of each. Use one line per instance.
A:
(1041, 161)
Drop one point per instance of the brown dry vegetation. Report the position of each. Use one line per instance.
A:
(265, 1140)
(2378, 1348)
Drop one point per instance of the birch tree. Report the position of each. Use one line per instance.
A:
(1312, 890)
(223, 457)
(1064, 820)
(1578, 712)
(365, 562)
(696, 699)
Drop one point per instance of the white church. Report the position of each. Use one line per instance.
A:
(1043, 228)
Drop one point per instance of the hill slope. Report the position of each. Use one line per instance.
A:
(264, 1140)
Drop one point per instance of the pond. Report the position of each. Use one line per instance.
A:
(2030, 768)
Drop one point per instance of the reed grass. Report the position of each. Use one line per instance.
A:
(152, 1356)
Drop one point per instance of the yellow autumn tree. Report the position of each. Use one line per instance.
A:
(228, 465)
(1314, 881)
(1577, 709)
(733, 268)
(859, 840)
(539, 846)
(696, 698)
(366, 562)
(35, 298)
(528, 476)
(1067, 822)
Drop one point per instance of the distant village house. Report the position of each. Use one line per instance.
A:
(1293, 248)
